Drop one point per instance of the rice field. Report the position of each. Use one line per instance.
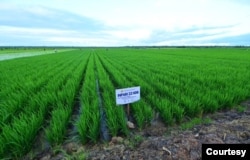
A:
(46, 94)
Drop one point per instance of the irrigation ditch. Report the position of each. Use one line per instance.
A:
(104, 129)
(104, 134)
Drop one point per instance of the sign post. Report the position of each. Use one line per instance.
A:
(126, 96)
(128, 109)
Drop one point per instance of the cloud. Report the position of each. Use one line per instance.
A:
(82, 41)
(46, 26)
(129, 34)
(243, 39)
(111, 22)
(46, 17)
(211, 35)
(28, 36)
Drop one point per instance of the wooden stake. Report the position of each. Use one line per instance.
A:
(128, 110)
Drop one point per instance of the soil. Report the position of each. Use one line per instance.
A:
(160, 142)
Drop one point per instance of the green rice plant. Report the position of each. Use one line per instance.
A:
(144, 113)
(108, 92)
(147, 87)
(121, 117)
(147, 112)
(140, 118)
(88, 125)
(1, 147)
(174, 82)
(30, 85)
(45, 91)
(113, 123)
(210, 104)
(196, 83)
(82, 127)
(226, 100)
(167, 115)
(94, 126)
(195, 71)
(178, 113)
(86, 96)
(189, 106)
(18, 137)
(56, 131)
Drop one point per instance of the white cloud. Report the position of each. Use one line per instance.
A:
(135, 34)
(40, 11)
(82, 41)
(113, 22)
(32, 31)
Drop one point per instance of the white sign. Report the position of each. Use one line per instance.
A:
(127, 95)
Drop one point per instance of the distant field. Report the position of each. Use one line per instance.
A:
(46, 94)
(23, 50)
(11, 50)
(11, 53)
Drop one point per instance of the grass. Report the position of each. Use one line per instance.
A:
(193, 122)
(80, 154)
(241, 109)
(135, 141)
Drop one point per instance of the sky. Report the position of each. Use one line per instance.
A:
(124, 22)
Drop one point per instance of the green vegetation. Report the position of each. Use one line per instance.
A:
(115, 115)
(135, 141)
(240, 108)
(38, 94)
(36, 91)
(193, 122)
(89, 122)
